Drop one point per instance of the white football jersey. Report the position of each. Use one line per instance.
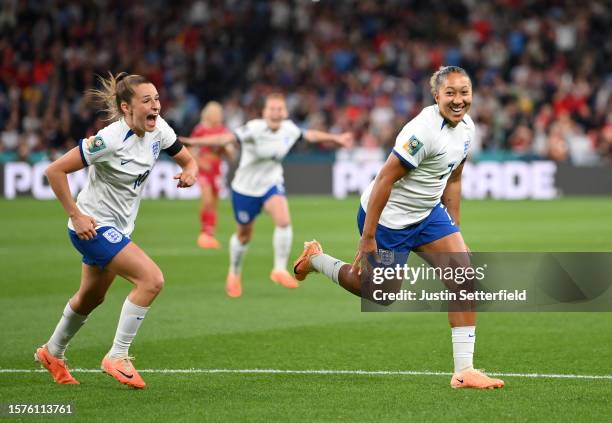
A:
(432, 150)
(118, 164)
(262, 151)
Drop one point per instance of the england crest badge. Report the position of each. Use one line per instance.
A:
(155, 149)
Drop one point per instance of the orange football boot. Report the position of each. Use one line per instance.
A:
(302, 266)
(282, 277)
(56, 366)
(208, 242)
(472, 378)
(123, 370)
(233, 288)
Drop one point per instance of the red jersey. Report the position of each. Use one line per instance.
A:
(211, 155)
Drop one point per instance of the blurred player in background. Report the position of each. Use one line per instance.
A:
(209, 177)
(119, 159)
(413, 204)
(258, 184)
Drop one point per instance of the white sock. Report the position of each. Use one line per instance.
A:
(130, 320)
(67, 327)
(237, 252)
(327, 265)
(464, 338)
(282, 246)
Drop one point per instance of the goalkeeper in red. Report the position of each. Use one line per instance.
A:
(413, 205)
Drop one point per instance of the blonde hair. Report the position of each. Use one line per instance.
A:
(115, 90)
(274, 96)
(439, 76)
(208, 108)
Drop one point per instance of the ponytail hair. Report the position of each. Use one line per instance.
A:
(114, 91)
(439, 76)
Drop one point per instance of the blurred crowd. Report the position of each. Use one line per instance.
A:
(542, 70)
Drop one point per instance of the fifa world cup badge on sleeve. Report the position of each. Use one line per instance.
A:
(413, 145)
(96, 144)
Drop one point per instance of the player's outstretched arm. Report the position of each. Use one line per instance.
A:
(84, 226)
(391, 172)
(188, 176)
(217, 140)
(343, 140)
(451, 197)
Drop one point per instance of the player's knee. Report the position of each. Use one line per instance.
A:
(152, 283)
(207, 204)
(244, 236)
(383, 294)
(156, 284)
(383, 300)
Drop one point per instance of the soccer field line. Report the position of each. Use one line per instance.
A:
(328, 372)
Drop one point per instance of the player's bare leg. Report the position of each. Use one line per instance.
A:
(208, 217)
(278, 209)
(238, 246)
(313, 259)
(133, 264)
(461, 315)
(94, 285)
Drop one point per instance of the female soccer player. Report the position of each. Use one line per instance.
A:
(119, 158)
(209, 163)
(413, 204)
(258, 184)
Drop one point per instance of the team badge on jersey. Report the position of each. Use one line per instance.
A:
(466, 145)
(413, 145)
(95, 145)
(155, 149)
(113, 235)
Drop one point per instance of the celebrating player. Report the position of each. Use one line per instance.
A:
(413, 204)
(119, 158)
(209, 163)
(258, 184)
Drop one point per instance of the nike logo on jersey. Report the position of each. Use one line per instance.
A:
(441, 154)
(131, 376)
(126, 161)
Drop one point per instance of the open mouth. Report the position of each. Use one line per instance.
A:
(456, 109)
(151, 119)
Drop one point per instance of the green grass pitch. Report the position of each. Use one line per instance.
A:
(318, 326)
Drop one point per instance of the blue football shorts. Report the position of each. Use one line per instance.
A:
(100, 250)
(399, 242)
(247, 208)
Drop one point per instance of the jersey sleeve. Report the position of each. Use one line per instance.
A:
(244, 133)
(168, 136)
(471, 138)
(412, 144)
(295, 132)
(99, 148)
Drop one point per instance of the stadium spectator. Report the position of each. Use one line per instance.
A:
(120, 156)
(349, 61)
